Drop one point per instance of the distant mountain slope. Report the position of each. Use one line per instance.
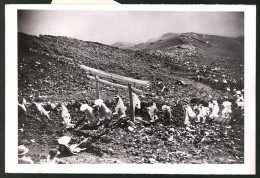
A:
(123, 45)
(203, 49)
(163, 37)
(212, 44)
(128, 45)
(200, 49)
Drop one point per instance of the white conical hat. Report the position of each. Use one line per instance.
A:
(24, 101)
(98, 102)
(215, 102)
(53, 106)
(227, 103)
(64, 140)
(165, 107)
(83, 107)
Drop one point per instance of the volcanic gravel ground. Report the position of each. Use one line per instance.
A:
(48, 71)
(158, 143)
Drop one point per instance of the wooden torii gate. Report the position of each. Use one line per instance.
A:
(130, 82)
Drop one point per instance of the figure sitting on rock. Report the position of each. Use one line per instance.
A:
(103, 111)
(227, 109)
(167, 114)
(41, 114)
(152, 111)
(189, 113)
(120, 107)
(66, 116)
(89, 114)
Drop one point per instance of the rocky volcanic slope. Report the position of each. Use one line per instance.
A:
(51, 63)
(210, 45)
(48, 71)
(208, 57)
(48, 66)
(226, 53)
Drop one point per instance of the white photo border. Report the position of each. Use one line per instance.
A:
(11, 94)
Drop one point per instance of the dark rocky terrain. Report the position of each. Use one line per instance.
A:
(48, 71)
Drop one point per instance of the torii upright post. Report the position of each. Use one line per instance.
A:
(97, 87)
(132, 114)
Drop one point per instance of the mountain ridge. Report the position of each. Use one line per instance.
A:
(167, 37)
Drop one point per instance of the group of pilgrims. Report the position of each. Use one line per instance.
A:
(98, 114)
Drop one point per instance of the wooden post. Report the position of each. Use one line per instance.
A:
(97, 87)
(132, 114)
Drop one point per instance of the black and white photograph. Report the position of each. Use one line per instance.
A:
(131, 87)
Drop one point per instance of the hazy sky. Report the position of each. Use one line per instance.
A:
(127, 26)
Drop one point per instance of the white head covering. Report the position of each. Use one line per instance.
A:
(64, 140)
(165, 107)
(83, 107)
(99, 102)
(238, 92)
(53, 106)
(227, 103)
